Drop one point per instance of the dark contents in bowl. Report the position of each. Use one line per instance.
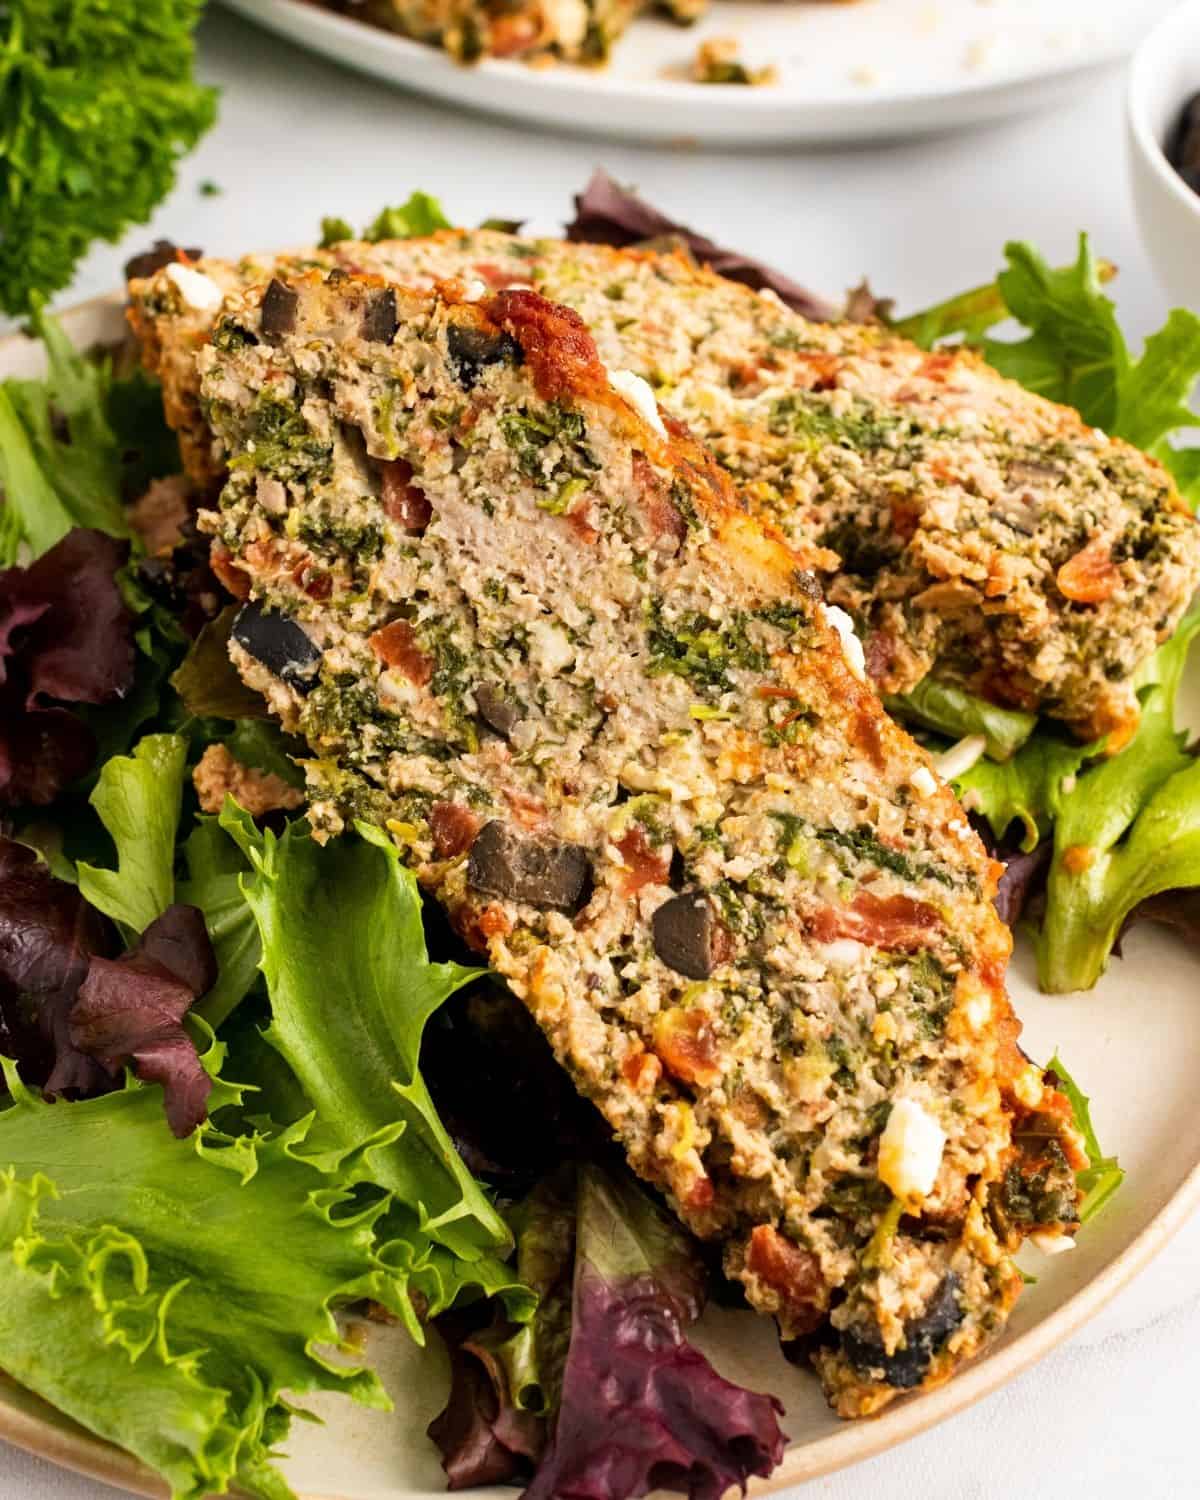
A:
(1183, 146)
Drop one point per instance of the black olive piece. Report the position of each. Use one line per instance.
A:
(279, 306)
(1183, 148)
(279, 644)
(161, 253)
(497, 709)
(923, 1337)
(685, 931)
(541, 873)
(380, 322)
(473, 348)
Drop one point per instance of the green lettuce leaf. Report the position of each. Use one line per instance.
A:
(351, 988)
(32, 511)
(1028, 788)
(420, 215)
(66, 417)
(953, 711)
(1103, 1175)
(1132, 829)
(215, 864)
(1074, 351)
(138, 800)
(166, 1293)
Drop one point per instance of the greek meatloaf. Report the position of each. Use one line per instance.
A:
(973, 530)
(522, 624)
(580, 31)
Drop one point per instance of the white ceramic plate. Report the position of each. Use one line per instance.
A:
(877, 70)
(1133, 1043)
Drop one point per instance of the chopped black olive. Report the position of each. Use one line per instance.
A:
(1183, 149)
(685, 935)
(497, 709)
(380, 322)
(279, 644)
(542, 873)
(161, 253)
(279, 306)
(923, 1337)
(473, 348)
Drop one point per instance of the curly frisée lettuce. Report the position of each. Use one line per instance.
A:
(165, 1293)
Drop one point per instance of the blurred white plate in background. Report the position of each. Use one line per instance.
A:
(876, 70)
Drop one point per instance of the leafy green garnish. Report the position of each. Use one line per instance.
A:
(351, 988)
(165, 1293)
(419, 216)
(99, 103)
(1103, 1174)
(138, 800)
(1075, 352)
(1028, 788)
(216, 858)
(1128, 830)
(953, 711)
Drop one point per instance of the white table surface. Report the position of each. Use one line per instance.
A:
(1114, 1412)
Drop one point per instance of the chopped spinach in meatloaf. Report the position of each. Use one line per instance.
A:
(973, 530)
(526, 627)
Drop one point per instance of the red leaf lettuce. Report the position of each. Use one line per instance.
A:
(66, 638)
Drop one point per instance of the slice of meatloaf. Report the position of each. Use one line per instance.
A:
(579, 31)
(973, 530)
(605, 714)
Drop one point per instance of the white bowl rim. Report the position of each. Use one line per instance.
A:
(1184, 21)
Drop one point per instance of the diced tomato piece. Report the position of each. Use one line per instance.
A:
(403, 501)
(899, 923)
(641, 1070)
(793, 1273)
(1091, 576)
(684, 1041)
(645, 863)
(700, 1195)
(906, 514)
(234, 578)
(662, 515)
(396, 646)
(453, 827)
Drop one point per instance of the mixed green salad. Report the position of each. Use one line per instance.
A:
(250, 1083)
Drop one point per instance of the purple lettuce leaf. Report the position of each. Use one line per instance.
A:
(483, 1435)
(73, 1012)
(631, 1406)
(48, 937)
(1177, 909)
(641, 1408)
(131, 1009)
(608, 214)
(66, 637)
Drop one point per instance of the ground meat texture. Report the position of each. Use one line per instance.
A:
(688, 730)
(219, 774)
(974, 530)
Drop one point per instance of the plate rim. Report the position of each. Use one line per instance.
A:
(562, 78)
(59, 1440)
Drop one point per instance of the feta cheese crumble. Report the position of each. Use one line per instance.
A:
(852, 648)
(910, 1150)
(639, 395)
(199, 292)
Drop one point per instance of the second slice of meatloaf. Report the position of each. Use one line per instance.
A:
(975, 531)
(523, 625)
